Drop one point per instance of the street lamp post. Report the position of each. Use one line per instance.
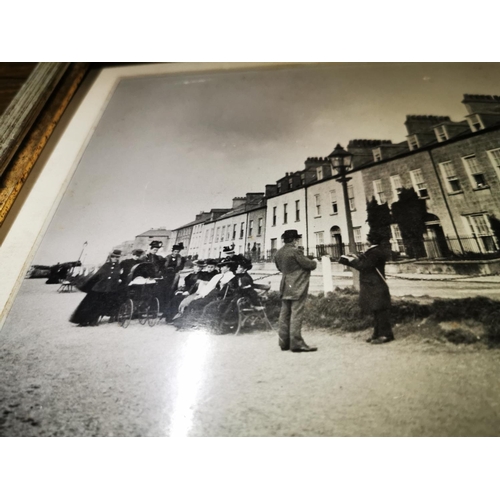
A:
(341, 160)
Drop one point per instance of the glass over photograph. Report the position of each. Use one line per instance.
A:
(276, 250)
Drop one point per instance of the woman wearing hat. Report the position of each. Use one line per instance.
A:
(189, 286)
(103, 292)
(218, 288)
(157, 260)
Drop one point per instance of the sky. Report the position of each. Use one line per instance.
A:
(168, 147)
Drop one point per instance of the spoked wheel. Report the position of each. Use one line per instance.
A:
(153, 311)
(143, 312)
(125, 313)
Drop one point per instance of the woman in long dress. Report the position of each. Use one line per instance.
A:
(103, 291)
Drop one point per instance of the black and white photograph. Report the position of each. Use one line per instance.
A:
(265, 250)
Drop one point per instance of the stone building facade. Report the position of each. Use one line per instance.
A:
(143, 240)
(232, 227)
(453, 166)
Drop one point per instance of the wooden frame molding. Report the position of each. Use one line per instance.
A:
(30, 120)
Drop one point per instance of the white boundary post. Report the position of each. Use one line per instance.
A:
(327, 274)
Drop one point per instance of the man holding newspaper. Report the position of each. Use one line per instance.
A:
(374, 293)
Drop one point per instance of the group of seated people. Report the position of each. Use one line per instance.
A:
(208, 296)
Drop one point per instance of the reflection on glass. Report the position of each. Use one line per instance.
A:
(190, 376)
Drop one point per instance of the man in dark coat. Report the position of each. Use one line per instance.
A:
(294, 286)
(174, 263)
(374, 296)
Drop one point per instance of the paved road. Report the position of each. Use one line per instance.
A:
(60, 380)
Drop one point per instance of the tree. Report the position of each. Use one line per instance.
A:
(379, 218)
(410, 213)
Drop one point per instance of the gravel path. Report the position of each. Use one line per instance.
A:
(60, 380)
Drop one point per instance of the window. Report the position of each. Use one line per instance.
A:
(450, 176)
(217, 235)
(378, 192)
(222, 233)
(279, 187)
(206, 236)
(419, 184)
(377, 154)
(333, 201)
(350, 194)
(242, 230)
(441, 134)
(228, 232)
(397, 239)
(234, 231)
(274, 244)
(250, 228)
(396, 186)
(285, 213)
(413, 142)
(290, 183)
(302, 179)
(475, 172)
(259, 229)
(317, 202)
(475, 123)
(320, 237)
(297, 210)
(274, 216)
(357, 235)
(481, 230)
(211, 234)
(494, 156)
(319, 173)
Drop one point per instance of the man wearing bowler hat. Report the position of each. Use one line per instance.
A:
(296, 270)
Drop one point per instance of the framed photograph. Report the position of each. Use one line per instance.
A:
(253, 249)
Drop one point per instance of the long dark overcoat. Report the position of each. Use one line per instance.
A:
(373, 290)
(296, 269)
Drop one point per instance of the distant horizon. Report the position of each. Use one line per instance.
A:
(171, 146)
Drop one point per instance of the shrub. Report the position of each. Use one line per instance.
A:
(477, 308)
(459, 336)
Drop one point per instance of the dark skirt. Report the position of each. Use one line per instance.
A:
(93, 306)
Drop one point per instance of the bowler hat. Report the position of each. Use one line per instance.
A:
(178, 246)
(156, 244)
(116, 253)
(291, 234)
(199, 263)
(137, 252)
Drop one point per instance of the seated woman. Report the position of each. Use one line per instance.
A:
(245, 281)
(188, 285)
(218, 287)
(224, 310)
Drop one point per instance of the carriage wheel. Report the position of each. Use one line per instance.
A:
(143, 312)
(125, 313)
(153, 311)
